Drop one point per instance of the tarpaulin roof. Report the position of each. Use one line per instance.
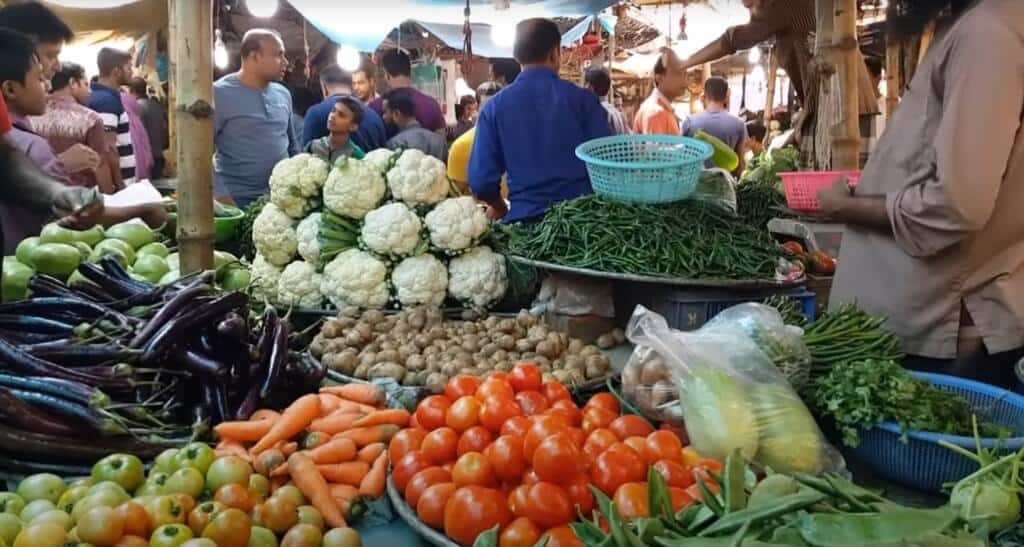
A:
(483, 43)
(365, 25)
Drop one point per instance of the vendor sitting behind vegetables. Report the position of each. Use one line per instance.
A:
(934, 226)
(342, 123)
(531, 130)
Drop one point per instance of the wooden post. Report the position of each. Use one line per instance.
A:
(818, 148)
(772, 78)
(846, 136)
(192, 22)
(893, 76)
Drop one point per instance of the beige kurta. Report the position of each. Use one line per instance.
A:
(951, 167)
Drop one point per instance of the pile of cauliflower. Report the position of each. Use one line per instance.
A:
(371, 233)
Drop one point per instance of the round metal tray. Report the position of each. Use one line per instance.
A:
(408, 514)
(677, 281)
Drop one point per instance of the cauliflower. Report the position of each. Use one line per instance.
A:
(295, 184)
(391, 230)
(418, 179)
(420, 280)
(273, 234)
(355, 278)
(264, 279)
(308, 233)
(299, 286)
(380, 159)
(477, 277)
(457, 224)
(353, 189)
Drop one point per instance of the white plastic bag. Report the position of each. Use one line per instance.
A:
(717, 187)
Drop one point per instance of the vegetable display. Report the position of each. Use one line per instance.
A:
(766, 166)
(685, 240)
(419, 347)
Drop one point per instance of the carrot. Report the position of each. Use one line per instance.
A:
(334, 451)
(264, 414)
(293, 420)
(289, 448)
(345, 473)
(344, 405)
(279, 471)
(373, 483)
(363, 436)
(315, 439)
(393, 416)
(370, 452)
(368, 394)
(335, 423)
(250, 431)
(312, 485)
(231, 448)
(343, 491)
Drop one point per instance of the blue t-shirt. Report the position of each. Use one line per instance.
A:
(252, 131)
(530, 130)
(370, 135)
(727, 127)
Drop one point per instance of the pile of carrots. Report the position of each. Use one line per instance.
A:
(332, 445)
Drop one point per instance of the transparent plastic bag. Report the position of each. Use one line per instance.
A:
(647, 385)
(717, 187)
(732, 397)
(574, 295)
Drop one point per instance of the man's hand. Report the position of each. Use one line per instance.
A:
(497, 210)
(834, 198)
(79, 158)
(79, 217)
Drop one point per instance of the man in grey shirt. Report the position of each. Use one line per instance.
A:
(253, 128)
(717, 121)
(400, 111)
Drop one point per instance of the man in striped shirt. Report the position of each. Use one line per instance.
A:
(115, 71)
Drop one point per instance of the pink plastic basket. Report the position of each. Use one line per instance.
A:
(802, 186)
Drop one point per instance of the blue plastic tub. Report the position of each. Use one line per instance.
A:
(921, 462)
(644, 168)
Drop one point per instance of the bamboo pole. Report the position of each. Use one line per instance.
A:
(772, 76)
(192, 22)
(846, 136)
(893, 76)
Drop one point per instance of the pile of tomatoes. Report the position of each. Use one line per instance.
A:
(514, 451)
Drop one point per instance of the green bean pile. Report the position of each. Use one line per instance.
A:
(759, 203)
(684, 240)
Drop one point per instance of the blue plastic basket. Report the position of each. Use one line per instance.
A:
(924, 464)
(644, 168)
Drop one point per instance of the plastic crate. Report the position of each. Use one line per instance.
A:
(802, 186)
(690, 309)
(644, 168)
(921, 462)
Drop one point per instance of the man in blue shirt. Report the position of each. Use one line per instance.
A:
(337, 83)
(252, 128)
(531, 130)
(717, 121)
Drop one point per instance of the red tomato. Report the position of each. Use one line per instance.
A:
(603, 400)
(474, 439)
(674, 473)
(497, 411)
(572, 412)
(409, 465)
(596, 417)
(630, 425)
(493, 388)
(557, 458)
(663, 445)
(414, 423)
(473, 510)
(463, 414)
(422, 480)
(690, 456)
(548, 505)
(521, 533)
(710, 465)
(530, 477)
(563, 536)
(580, 494)
(702, 474)
(439, 446)
(542, 428)
(525, 377)
(578, 436)
(678, 431)
(598, 441)
(506, 457)
(517, 499)
(472, 468)
(637, 444)
(405, 441)
(555, 391)
(431, 412)
(531, 402)
(518, 425)
(680, 498)
(430, 507)
(694, 491)
(631, 500)
(615, 467)
(461, 385)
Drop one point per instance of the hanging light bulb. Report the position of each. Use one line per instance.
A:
(261, 8)
(754, 56)
(220, 52)
(348, 58)
(503, 34)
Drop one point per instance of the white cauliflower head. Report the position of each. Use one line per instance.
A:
(380, 159)
(264, 279)
(356, 278)
(308, 233)
(418, 179)
(391, 230)
(295, 183)
(353, 189)
(420, 280)
(477, 277)
(273, 234)
(457, 224)
(299, 286)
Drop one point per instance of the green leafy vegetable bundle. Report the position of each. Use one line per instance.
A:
(766, 166)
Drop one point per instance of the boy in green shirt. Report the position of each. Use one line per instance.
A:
(342, 123)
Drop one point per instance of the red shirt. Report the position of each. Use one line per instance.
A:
(5, 120)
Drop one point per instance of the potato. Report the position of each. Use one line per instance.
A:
(421, 340)
(546, 348)
(387, 370)
(506, 325)
(400, 328)
(472, 371)
(353, 338)
(537, 333)
(365, 330)
(410, 379)
(653, 372)
(435, 382)
(500, 355)
(590, 350)
(574, 377)
(592, 371)
(662, 392)
(373, 316)
(451, 368)
(416, 318)
(573, 361)
(344, 362)
(387, 353)
(560, 375)
(349, 311)
(605, 341)
(540, 360)
(547, 376)
(619, 336)
(421, 376)
(437, 333)
(317, 346)
(416, 362)
(524, 318)
(575, 346)
(367, 358)
(524, 345)
(503, 366)
(506, 342)
(361, 370)
(332, 329)
(346, 322)
(470, 344)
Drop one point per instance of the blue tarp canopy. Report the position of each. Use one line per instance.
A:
(365, 25)
(483, 43)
